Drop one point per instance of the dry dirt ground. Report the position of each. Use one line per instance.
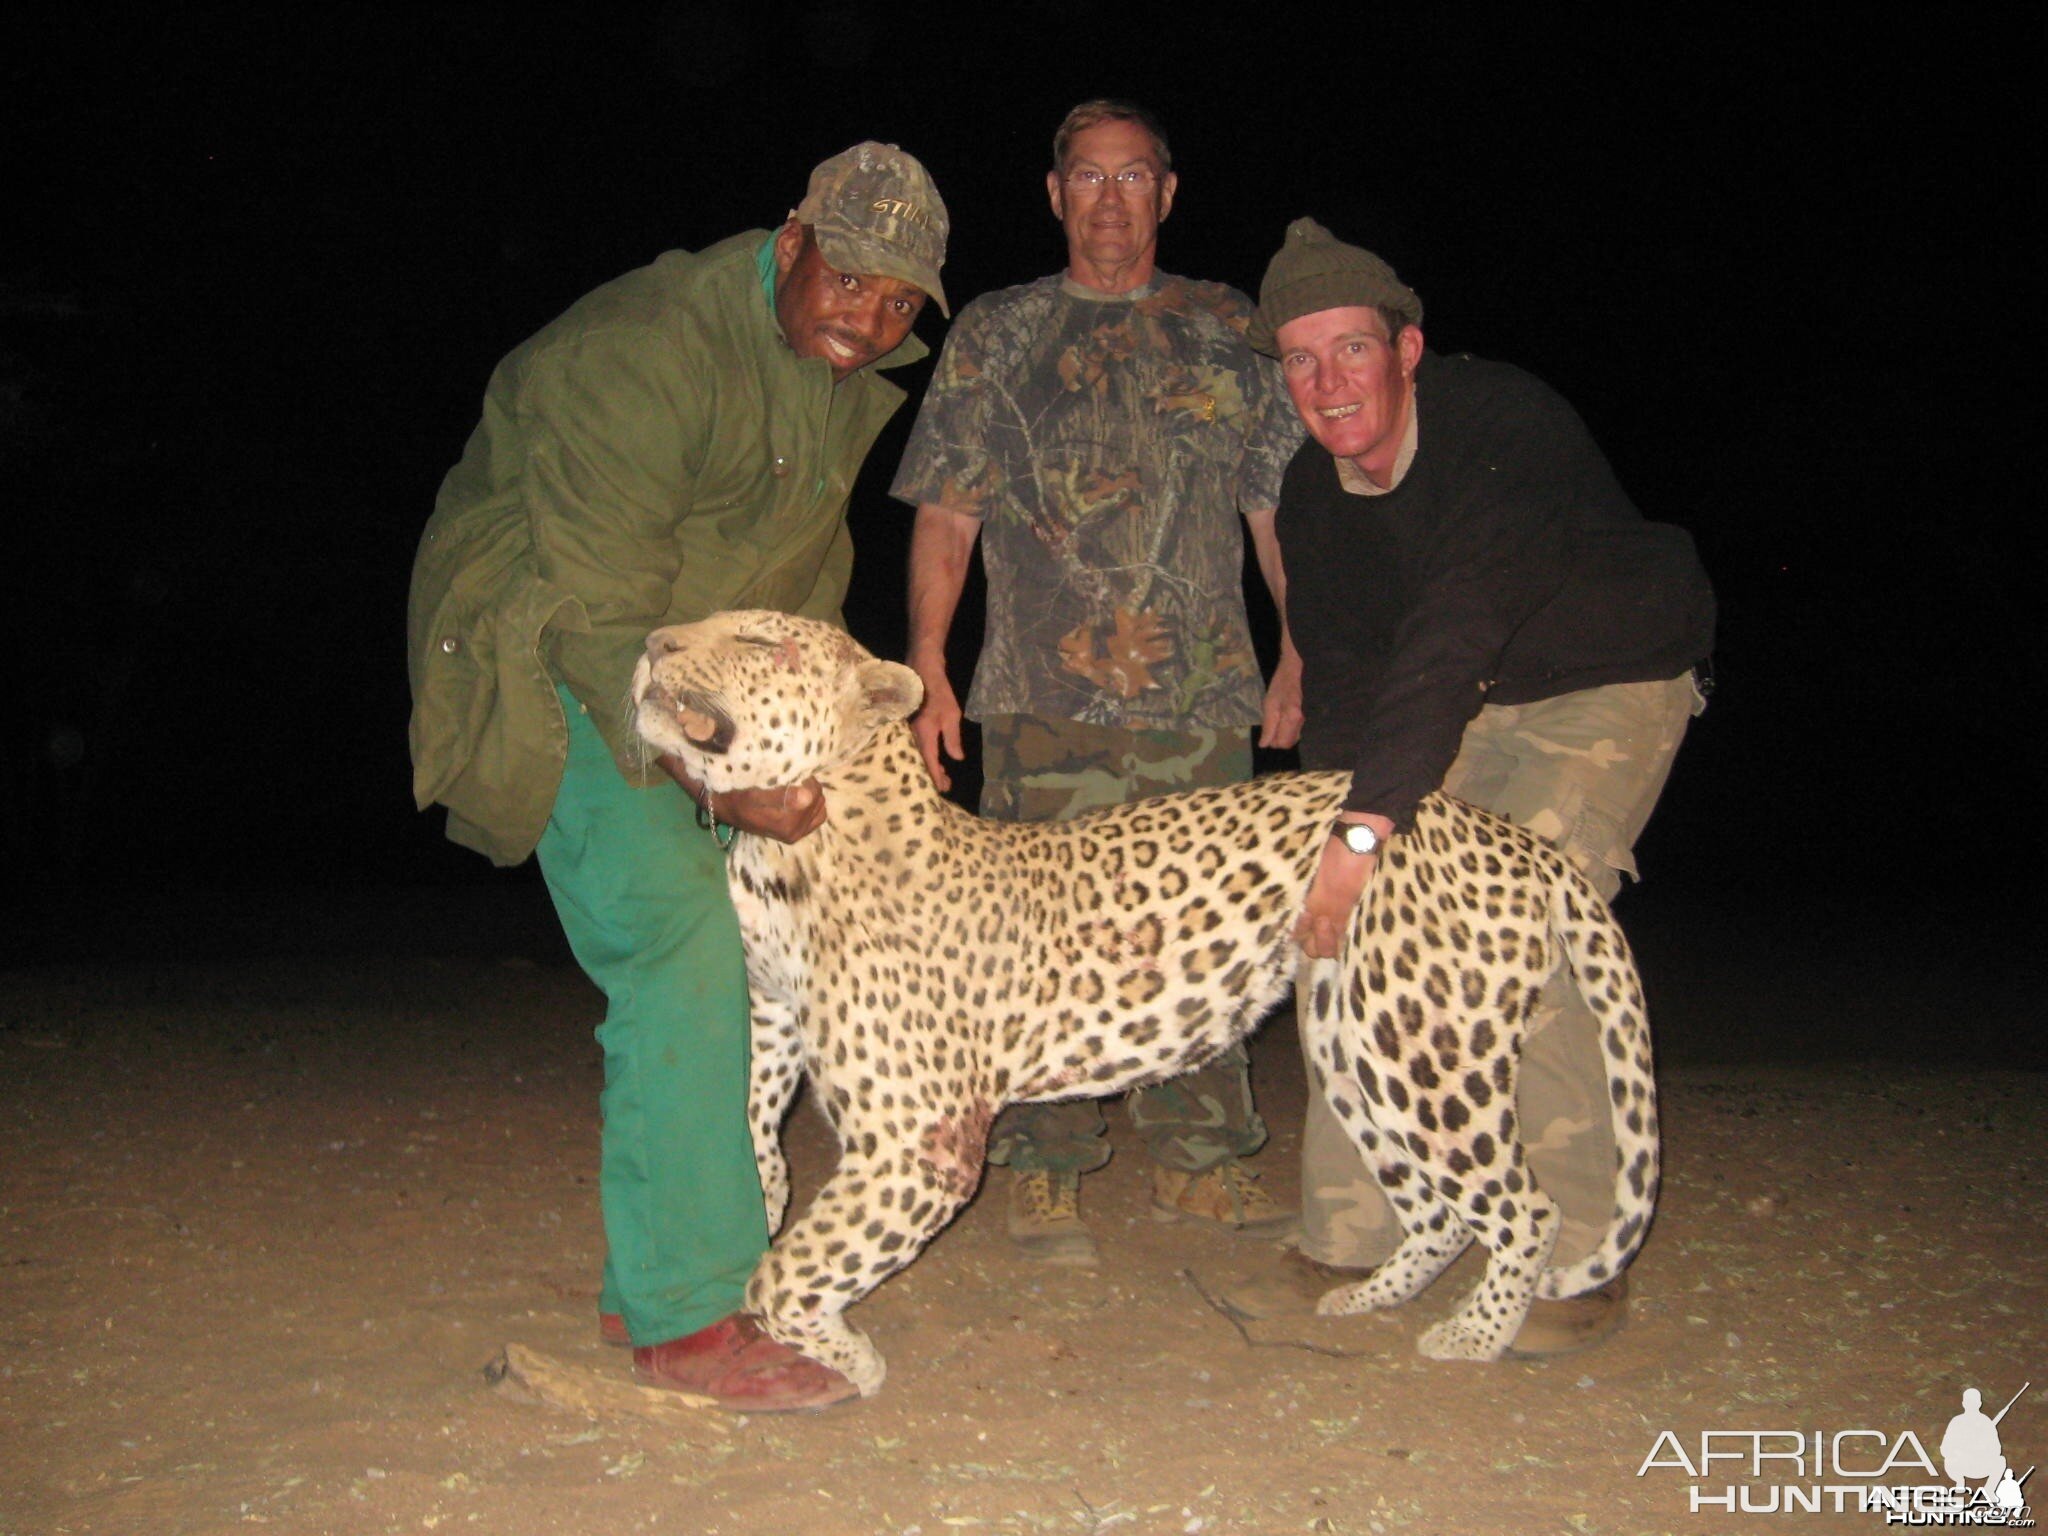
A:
(264, 1226)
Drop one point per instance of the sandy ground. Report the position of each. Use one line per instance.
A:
(264, 1226)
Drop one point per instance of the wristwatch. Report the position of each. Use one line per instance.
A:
(1357, 836)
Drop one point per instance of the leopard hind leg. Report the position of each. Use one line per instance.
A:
(1432, 1235)
(1451, 1188)
(1519, 1235)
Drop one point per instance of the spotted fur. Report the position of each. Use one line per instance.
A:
(925, 968)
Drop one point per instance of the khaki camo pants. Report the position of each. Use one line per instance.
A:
(1035, 769)
(1584, 771)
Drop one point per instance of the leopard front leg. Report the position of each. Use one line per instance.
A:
(774, 1071)
(873, 1216)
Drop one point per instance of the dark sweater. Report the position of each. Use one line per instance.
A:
(1507, 566)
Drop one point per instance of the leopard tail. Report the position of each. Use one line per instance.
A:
(1604, 968)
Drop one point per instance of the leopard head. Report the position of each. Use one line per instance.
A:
(753, 699)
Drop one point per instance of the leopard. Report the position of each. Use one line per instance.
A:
(923, 967)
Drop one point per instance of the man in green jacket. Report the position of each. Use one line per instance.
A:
(681, 441)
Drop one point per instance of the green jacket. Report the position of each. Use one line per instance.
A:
(653, 456)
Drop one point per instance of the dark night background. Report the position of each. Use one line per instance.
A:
(256, 266)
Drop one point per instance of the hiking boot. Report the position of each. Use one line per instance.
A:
(1575, 1323)
(735, 1364)
(1045, 1219)
(1289, 1286)
(1227, 1195)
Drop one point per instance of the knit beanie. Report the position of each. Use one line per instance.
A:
(1313, 270)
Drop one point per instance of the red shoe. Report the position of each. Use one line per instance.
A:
(742, 1369)
(611, 1329)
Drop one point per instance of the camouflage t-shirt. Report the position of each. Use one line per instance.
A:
(1108, 443)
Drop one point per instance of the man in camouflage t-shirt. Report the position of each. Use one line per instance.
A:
(1098, 433)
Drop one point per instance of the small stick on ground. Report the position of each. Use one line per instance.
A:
(1223, 1310)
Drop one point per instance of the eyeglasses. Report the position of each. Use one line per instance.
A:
(1136, 178)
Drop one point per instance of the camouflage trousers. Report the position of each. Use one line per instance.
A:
(1583, 770)
(1034, 769)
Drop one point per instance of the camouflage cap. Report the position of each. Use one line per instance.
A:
(873, 208)
(1312, 271)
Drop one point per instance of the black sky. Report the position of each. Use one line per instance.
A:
(260, 264)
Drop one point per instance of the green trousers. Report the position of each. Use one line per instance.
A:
(640, 890)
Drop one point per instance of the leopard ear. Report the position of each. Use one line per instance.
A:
(888, 691)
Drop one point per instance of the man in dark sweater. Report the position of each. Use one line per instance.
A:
(1479, 608)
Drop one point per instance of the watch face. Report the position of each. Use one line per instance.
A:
(1359, 838)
